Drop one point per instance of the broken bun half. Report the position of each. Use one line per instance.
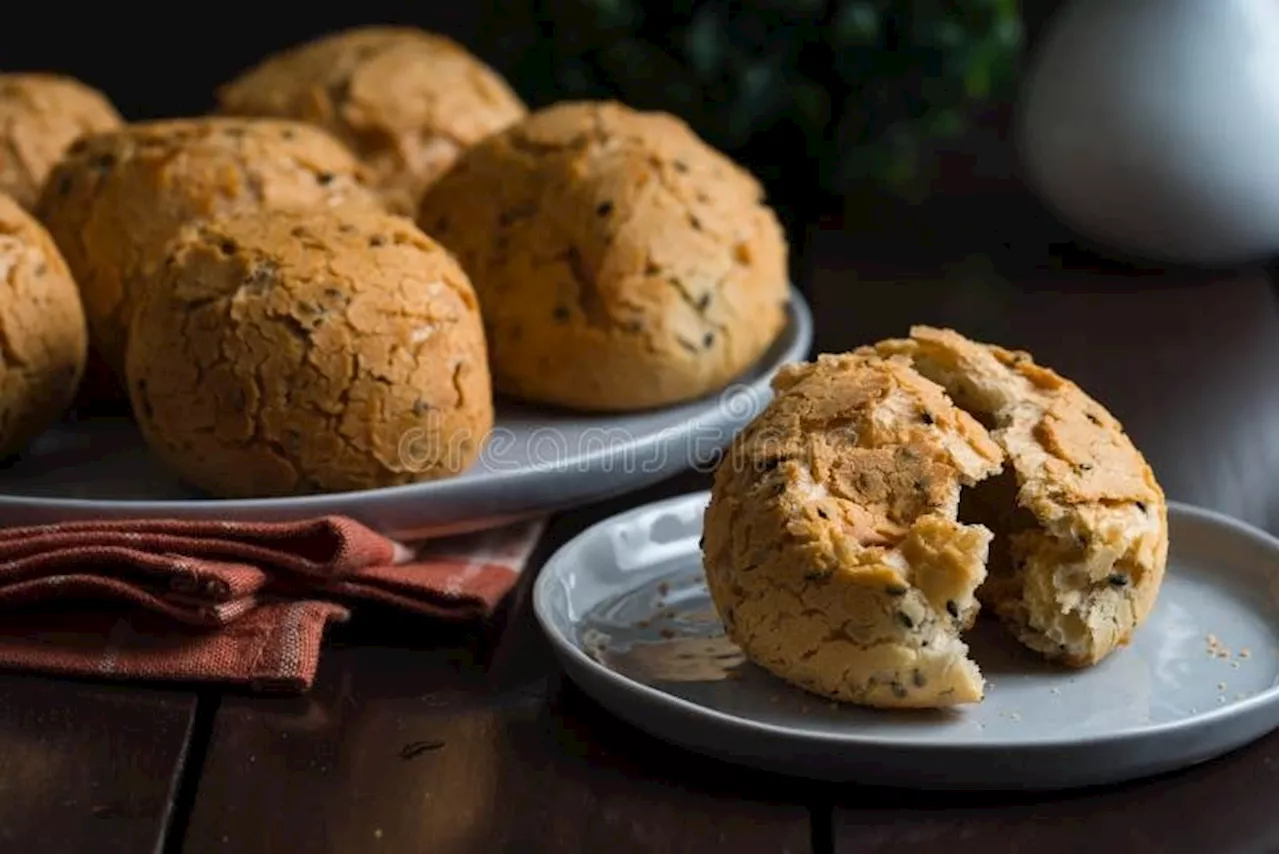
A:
(883, 494)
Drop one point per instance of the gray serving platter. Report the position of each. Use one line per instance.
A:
(534, 462)
(626, 608)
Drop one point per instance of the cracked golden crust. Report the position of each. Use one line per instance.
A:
(621, 262)
(1086, 565)
(40, 116)
(406, 101)
(116, 197)
(831, 548)
(42, 329)
(281, 352)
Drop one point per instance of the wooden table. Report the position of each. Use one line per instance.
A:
(419, 739)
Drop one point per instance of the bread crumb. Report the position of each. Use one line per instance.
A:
(1215, 647)
(1055, 690)
(1222, 686)
(1245, 653)
(1235, 665)
(377, 833)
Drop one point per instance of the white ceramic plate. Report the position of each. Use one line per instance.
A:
(626, 607)
(534, 462)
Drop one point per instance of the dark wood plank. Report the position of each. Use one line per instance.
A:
(401, 750)
(1227, 806)
(88, 767)
(1186, 361)
(396, 751)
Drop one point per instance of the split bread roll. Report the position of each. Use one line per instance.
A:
(833, 550)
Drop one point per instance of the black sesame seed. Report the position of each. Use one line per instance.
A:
(560, 314)
(898, 691)
(896, 590)
(1117, 579)
(953, 609)
(702, 542)
(604, 208)
(704, 301)
(1142, 507)
(822, 514)
(917, 678)
(696, 223)
(228, 247)
(1093, 419)
(708, 340)
(906, 620)
(680, 166)
(1086, 466)
(817, 575)
(324, 179)
(377, 240)
(926, 418)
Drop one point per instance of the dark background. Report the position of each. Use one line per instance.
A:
(153, 67)
(169, 65)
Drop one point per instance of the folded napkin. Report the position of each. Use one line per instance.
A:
(239, 603)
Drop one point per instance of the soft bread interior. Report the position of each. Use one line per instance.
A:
(1063, 592)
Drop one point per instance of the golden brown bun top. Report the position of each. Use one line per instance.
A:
(365, 250)
(1076, 453)
(376, 77)
(40, 115)
(404, 100)
(116, 197)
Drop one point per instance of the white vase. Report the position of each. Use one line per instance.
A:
(1153, 126)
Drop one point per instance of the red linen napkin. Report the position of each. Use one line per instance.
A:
(240, 603)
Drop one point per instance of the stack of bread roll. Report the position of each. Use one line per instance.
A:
(372, 235)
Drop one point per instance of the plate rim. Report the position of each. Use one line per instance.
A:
(447, 489)
(1240, 708)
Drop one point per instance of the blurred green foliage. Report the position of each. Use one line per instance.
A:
(811, 95)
